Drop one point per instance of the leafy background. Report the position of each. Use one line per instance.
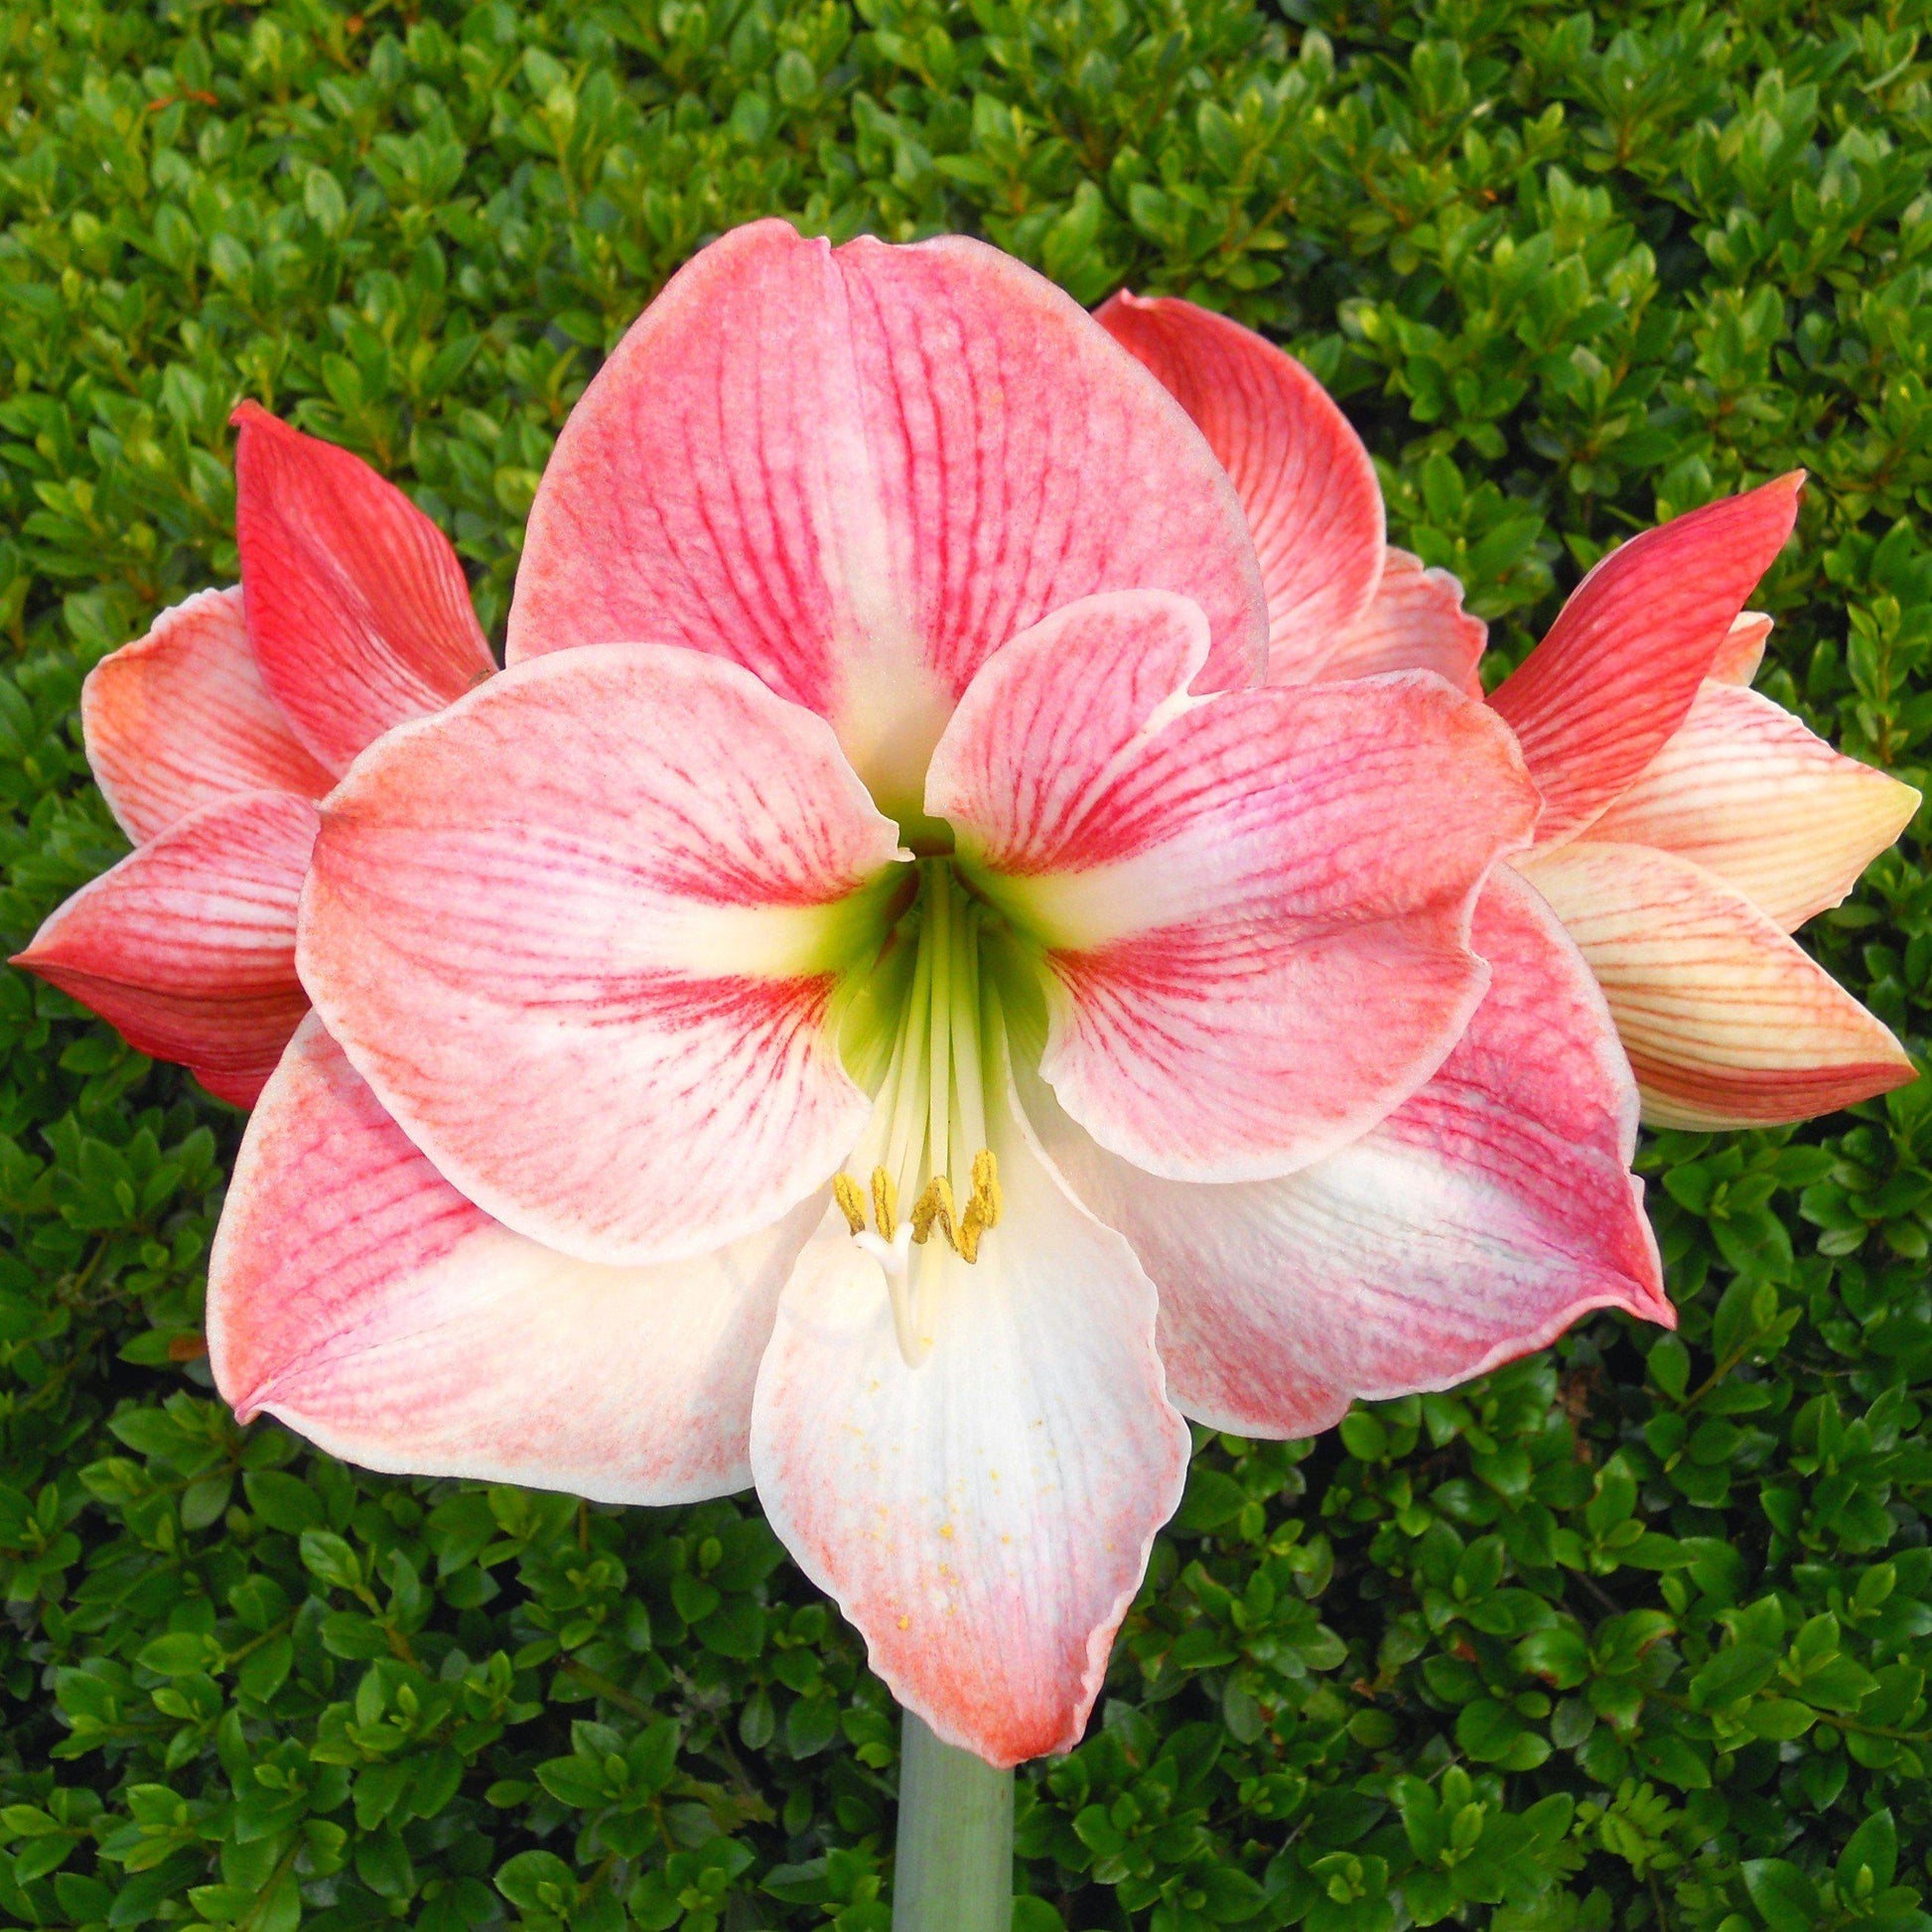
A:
(1634, 1633)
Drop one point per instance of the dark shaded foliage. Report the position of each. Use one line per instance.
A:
(1636, 1632)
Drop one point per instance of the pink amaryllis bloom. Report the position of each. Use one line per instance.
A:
(1689, 824)
(882, 1000)
(213, 736)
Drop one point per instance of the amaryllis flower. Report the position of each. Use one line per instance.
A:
(879, 998)
(1689, 824)
(213, 736)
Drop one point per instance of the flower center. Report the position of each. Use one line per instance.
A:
(924, 1152)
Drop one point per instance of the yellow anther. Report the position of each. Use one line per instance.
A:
(983, 1209)
(985, 1187)
(935, 1204)
(885, 1204)
(852, 1203)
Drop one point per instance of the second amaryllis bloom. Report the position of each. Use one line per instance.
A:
(1689, 824)
(882, 1000)
(213, 736)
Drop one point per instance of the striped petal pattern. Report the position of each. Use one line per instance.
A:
(357, 609)
(1727, 1021)
(858, 472)
(1308, 487)
(1477, 1223)
(579, 932)
(1594, 703)
(1415, 621)
(357, 1295)
(1742, 789)
(183, 717)
(1254, 905)
(188, 946)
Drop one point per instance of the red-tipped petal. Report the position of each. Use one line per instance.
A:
(984, 1518)
(1475, 1224)
(355, 1294)
(1594, 700)
(181, 717)
(1727, 1021)
(357, 609)
(1303, 475)
(188, 946)
(1746, 791)
(579, 933)
(1254, 905)
(1414, 623)
(858, 472)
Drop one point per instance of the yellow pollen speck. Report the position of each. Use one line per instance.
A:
(905, 1623)
(945, 1530)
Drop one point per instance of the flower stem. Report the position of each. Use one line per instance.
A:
(954, 1867)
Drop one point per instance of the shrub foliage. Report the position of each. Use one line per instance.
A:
(1632, 1633)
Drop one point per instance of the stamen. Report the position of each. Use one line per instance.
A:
(935, 1204)
(983, 1209)
(852, 1203)
(885, 1204)
(928, 1110)
(986, 1182)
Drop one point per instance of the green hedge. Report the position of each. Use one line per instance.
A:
(1632, 1633)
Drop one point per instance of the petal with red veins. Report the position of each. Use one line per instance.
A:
(1742, 650)
(858, 472)
(1592, 703)
(357, 609)
(357, 1295)
(181, 717)
(984, 1518)
(1727, 1021)
(1414, 623)
(1303, 475)
(1475, 1224)
(579, 933)
(1746, 791)
(1253, 906)
(188, 946)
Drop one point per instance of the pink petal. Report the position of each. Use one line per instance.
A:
(1414, 623)
(985, 1518)
(858, 472)
(1303, 475)
(1742, 650)
(181, 717)
(188, 946)
(1476, 1223)
(355, 1294)
(1254, 905)
(357, 609)
(1726, 1022)
(1744, 790)
(1594, 700)
(579, 933)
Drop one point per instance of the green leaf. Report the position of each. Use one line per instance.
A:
(1787, 1900)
